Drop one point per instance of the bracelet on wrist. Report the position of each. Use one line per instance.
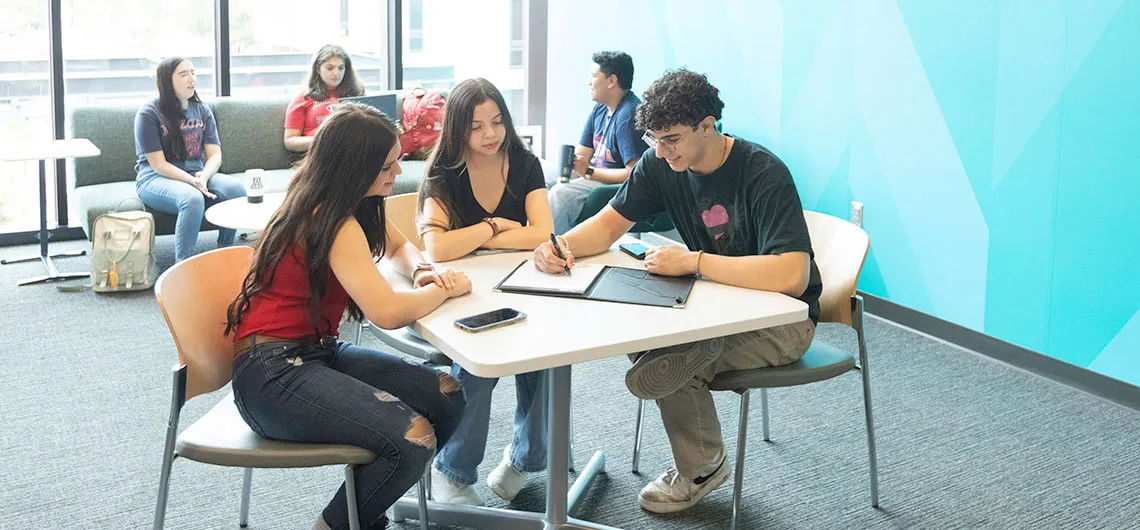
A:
(494, 226)
(700, 253)
(564, 244)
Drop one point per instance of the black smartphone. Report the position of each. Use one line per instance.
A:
(636, 250)
(490, 319)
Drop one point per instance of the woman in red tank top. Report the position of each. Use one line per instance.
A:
(292, 378)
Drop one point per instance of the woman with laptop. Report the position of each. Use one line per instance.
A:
(292, 378)
(330, 78)
(484, 190)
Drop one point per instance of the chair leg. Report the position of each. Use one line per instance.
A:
(637, 435)
(177, 399)
(741, 444)
(423, 505)
(764, 412)
(247, 477)
(865, 372)
(163, 489)
(350, 491)
(360, 331)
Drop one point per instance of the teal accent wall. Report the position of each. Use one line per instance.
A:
(994, 143)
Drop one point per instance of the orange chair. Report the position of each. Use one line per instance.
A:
(194, 295)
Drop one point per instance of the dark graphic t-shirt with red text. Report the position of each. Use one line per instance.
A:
(198, 129)
(747, 207)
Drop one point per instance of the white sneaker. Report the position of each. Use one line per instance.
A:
(506, 481)
(672, 493)
(443, 489)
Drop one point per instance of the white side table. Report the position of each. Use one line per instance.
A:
(240, 214)
(44, 151)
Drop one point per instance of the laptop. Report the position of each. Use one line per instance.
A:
(385, 103)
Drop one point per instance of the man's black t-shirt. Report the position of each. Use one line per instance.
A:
(524, 175)
(747, 207)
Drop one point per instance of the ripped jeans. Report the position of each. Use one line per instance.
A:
(346, 394)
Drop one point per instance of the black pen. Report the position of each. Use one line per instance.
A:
(558, 252)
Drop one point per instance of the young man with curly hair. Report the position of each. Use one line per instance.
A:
(738, 212)
(610, 144)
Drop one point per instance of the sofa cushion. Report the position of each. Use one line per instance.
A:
(89, 202)
(112, 129)
(252, 133)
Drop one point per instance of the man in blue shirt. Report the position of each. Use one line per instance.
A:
(610, 145)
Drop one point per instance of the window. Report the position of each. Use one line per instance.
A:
(462, 39)
(416, 26)
(111, 48)
(25, 108)
(272, 42)
(516, 33)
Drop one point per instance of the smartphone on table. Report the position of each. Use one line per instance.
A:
(490, 320)
(637, 250)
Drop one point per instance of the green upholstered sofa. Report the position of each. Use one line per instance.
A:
(250, 129)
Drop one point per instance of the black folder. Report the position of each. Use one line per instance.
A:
(622, 285)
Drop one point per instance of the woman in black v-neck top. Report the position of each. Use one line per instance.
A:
(479, 150)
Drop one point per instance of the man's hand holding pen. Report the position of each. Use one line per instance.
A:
(554, 256)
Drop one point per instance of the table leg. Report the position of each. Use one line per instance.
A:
(559, 497)
(52, 273)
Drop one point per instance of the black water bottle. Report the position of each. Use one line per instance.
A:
(567, 163)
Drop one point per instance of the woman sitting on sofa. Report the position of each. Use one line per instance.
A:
(484, 189)
(331, 77)
(177, 174)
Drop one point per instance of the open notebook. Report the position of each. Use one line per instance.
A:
(600, 282)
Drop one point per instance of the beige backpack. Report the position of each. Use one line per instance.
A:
(122, 251)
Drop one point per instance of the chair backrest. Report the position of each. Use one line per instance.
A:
(840, 249)
(401, 211)
(194, 295)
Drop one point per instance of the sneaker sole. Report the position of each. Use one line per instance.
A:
(667, 372)
(674, 507)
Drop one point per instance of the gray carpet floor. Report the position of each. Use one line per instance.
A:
(964, 442)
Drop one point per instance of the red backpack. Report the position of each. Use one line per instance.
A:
(422, 121)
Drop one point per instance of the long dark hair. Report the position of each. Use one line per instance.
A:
(450, 151)
(171, 108)
(350, 85)
(347, 154)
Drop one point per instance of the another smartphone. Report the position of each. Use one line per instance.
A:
(490, 319)
(637, 250)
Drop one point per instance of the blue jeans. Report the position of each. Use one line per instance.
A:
(567, 200)
(460, 457)
(346, 394)
(179, 198)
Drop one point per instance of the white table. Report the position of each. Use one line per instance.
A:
(44, 151)
(241, 214)
(558, 333)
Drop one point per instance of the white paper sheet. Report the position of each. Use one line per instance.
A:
(526, 277)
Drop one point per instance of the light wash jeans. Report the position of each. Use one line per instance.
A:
(181, 199)
(459, 459)
(346, 394)
(567, 200)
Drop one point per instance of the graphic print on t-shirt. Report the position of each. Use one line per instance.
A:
(191, 135)
(719, 221)
(601, 150)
